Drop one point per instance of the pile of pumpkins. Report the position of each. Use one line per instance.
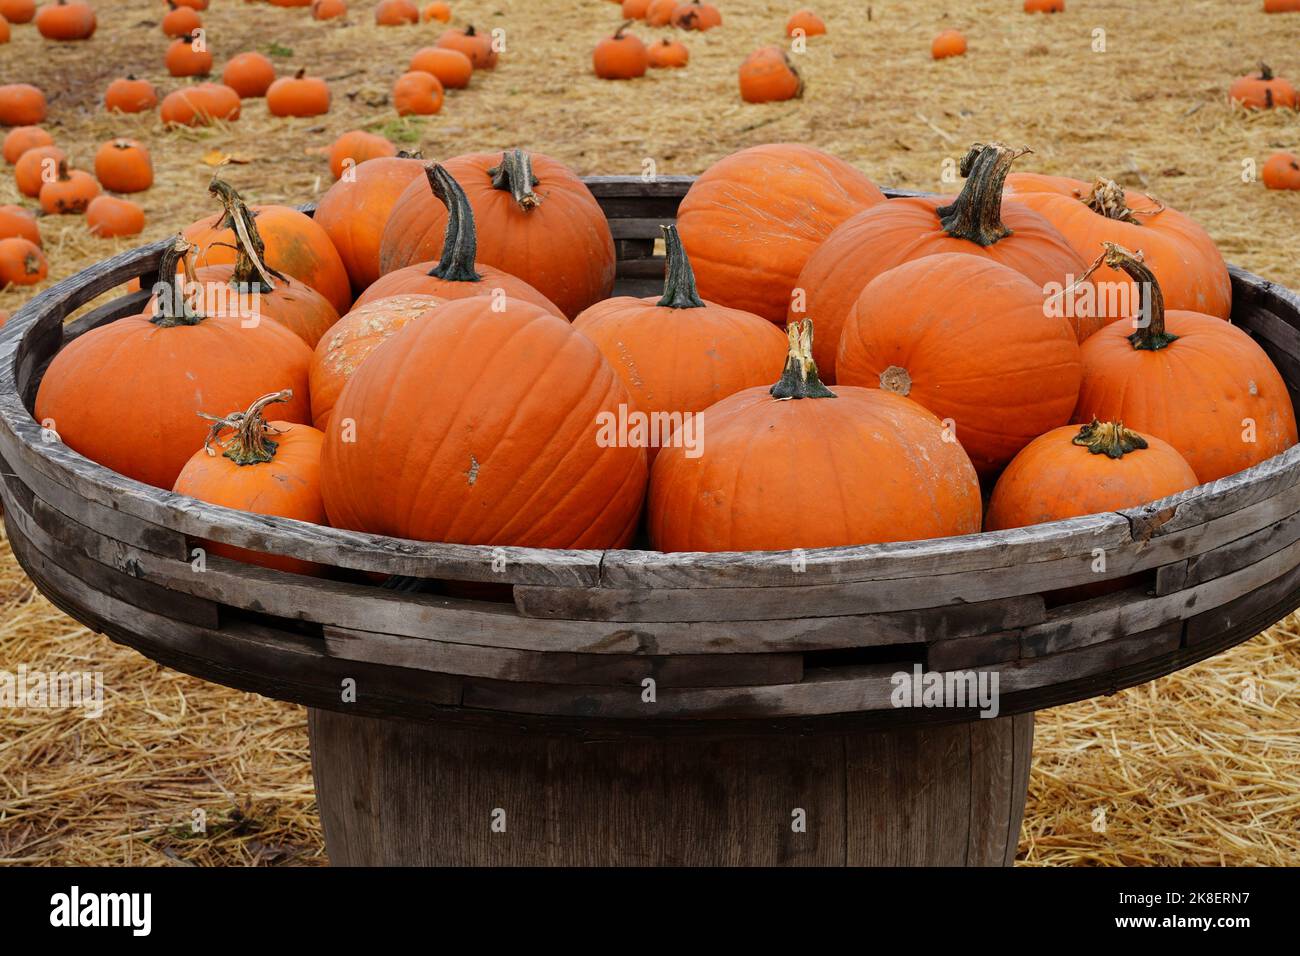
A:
(436, 356)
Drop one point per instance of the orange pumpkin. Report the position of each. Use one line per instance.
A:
(799, 466)
(180, 21)
(1263, 91)
(767, 75)
(4, 33)
(356, 147)
(668, 53)
(948, 43)
(188, 56)
(436, 11)
(346, 345)
(18, 11)
(249, 74)
(536, 220)
(806, 21)
(888, 234)
(69, 193)
(1044, 6)
(21, 104)
(66, 20)
(1281, 171)
(298, 95)
(473, 44)
(328, 9)
(635, 9)
(152, 374)
(1197, 382)
(695, 15)
(109, 217)
(417, 94)
(129, 95)
(124, 166)
(22, 138)
(19, 221)
(199, 105)
(193, 4)
(748, 240)
(264, 468)
(35, 167)
(1282, 6)
(621, 56)
(452, 68)
(458, 274)
(659, 13)
(396, 13)
(21, 262)
(967, 338)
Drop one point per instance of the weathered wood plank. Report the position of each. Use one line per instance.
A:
(1021, 760)
(609, 186)
(638, 228)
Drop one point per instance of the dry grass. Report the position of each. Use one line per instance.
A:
(1187, 770)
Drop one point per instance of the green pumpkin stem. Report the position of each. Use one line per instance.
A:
(679, 278)
(251, 443)
(171, 306)
(976, 213)
(799, 380)
(251, 270)
(514, 174)
(1151, 336)
(459, 244)
(1111, 439)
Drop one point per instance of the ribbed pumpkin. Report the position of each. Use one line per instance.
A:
(751, 221)
(677, 353)
(1182, 255)
(344, 347)
(356, 147)
(19, 221)
(536, 220)
(888, 234)
(799, 466)
(480, 426)
(1072, 471)
(477, 46)
(22, 138)
(1197, 382)
(354, 211)
(199, 105)
(264, 468)
(126, 94)
(128, 394)
(459, 273)
(967, 338)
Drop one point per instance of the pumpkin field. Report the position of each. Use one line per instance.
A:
(1174, 110)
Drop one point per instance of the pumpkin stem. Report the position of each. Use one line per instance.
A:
(170, 305)
(412, 154)
(799, 380)
(1107, 199)
(515, 175)
(250, 444)
(251, 271)
(1265, 71)
(1151, 334)
(1111, 439)
(679, 279)
(618, 34)
(459, 244)
(976, 213)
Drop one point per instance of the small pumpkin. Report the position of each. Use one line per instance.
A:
(19, 221)
(18, 11)
(799, 466)
(1199, 383)
(66, 20)
(457, 274)
(130, 95)
(69, 193)
(188, 56)
(659, 13)
(249, 74)
(21, 104)
(199, 5)
(767, 75)
(948, 43)
(751, 221)
(417, 93)
(22, 138)
(1282, 6)
(128, 394)
(635, 9)
(452, 68)
(1281, 171)
(1044, 6)
(965, 337)
(124, 166)
(21, 262)
(298, 95)
(199, 105)
(396, 13)
(356, 147)
(4, 33)
(109, 217)
(436, 11)
(695, 15)
(180, 21)
(805, 21)
(473, 44)
(1263, 90)
(1072, 471)
(668, 53)
(35, 167)
(328, 9)
(264, 468)
(621, 56)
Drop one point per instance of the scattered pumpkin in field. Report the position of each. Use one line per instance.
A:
(35, 166)
(659, 13)
(473, 44)
(4, 317)
(298, 95)
(452, 68)
(328, 9)
(265, 468)
(4, 30)
(748, 240)
(806, 21)
(668, 54)
(69, 193)
(436, 11)
(18, 11)
(948, 43)
(19, 221)
(66, 20)
(130, 95)
(417, 94)
(22, 138)
(1281, 171)
(1044, 6)
(124, 166)
(180, 21)
(188, 56)
(21, 262)
(767, 75)
(1282, 6)
(290, 3)
(1199, 383)
(695, 15)
(871, 467)
(110, 217)
(1073, 471)
(1263, 90)
(193, 4)
(356, 147)
(965, 337)
(249, 74)
(199, 105)
(621, 56)
(396, 13)
(635, 9)
(21, 104)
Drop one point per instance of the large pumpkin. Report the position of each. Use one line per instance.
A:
(888, 234)
(751, 221)
(481, 426)
(1197, 382)
(1182, 255)
(536, 220)
(800, 466)
(128, 394)
(678, 354)
(459, 273)
(967, 338)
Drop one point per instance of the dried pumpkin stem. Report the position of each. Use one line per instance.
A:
(251, 270)
(618, 34)
(514, 174)
(1151, 335)
(251, 443)
(170, 305)
(1265, 71)
(459, 244)
(976, 213)
(1107, 199)
(800, 380)
(1111, 439)
(679, 279)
